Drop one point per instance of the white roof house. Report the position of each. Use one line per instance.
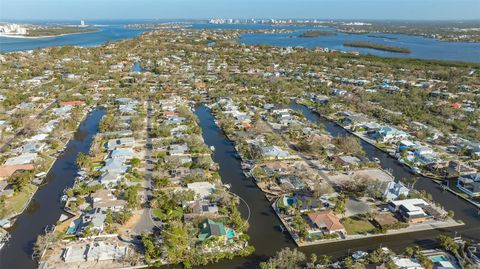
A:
(410, 207)
(120, 142)
(122, 153)
(202, 189)
(407, 263)
(274, 152)
(25, 158)
(38, 137)
(394, 189)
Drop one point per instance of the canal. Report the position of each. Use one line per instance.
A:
(45, 207)
(264, 225)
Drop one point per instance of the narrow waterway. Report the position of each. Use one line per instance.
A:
(45, 207)
(264, 229)
(264, 232)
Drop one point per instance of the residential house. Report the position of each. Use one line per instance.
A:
(25, 158)
(104, 199)
(123, 142)
(115, 165)
(8, 170)
(425, 155)
(389, 134)
(407, 263)
(177, 149)
(274, 152)
(201, 208)
(410, 210)
(32, 147)
(392, 190)
(291, 182)
(210, 228)
(202, 189)
(109, 178)
(126, 153)
(95, 219)
(325, 221)
(469, 184)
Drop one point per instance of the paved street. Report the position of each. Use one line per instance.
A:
(145, 224)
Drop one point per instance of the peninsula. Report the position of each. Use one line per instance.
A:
(376, 47)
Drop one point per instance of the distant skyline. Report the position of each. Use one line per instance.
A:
(204, 9)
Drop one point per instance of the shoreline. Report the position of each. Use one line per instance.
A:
(46, 36)
(13, 217)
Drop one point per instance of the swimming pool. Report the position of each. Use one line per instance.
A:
(439, 258)
(230, 233)
(289, 201)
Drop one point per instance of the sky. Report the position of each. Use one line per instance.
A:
(202, 9)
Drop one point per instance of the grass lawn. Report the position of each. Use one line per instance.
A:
(355, 225)
(157, 213)
(17, 201)
(133, 178)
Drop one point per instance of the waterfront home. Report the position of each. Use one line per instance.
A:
(94, 252)
(202, 189)
(347, 161)
(126, 153)
(115, 165)
(94, 220)
(38, 137)
(389, 134)
(109, 178)
(290, 182)
(123, 142)
(469, 184)
(274, 152)
(407, 263)
(425, 155)
(104, 199)
(8, 170)
(309, 203)
(201, 208)
(24, 158)
(406, 145)
(32, 147)
(410, 210)
(210, 228)
(393, 190)
(102, 251)
(355, 120)
(325, 221)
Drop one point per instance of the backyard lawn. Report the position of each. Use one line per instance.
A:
(16, 203)
(354, 225)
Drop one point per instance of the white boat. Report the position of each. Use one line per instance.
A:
(212, 148)
(5, 223)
